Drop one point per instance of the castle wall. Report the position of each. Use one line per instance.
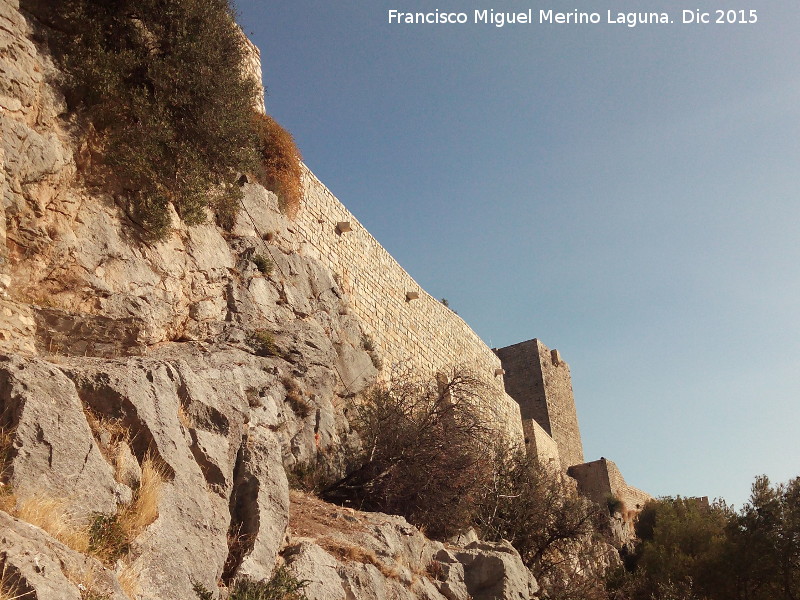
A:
(599, 479)
(252, 65)
(539, 444)
(411, 335)
(524, 382)
(540, 382)
(593, 480)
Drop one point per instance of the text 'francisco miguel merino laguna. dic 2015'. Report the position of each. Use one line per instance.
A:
(499, 19)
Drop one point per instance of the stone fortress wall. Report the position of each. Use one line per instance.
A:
(531, 395)
(411, 330)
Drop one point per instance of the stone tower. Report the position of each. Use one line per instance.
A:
(540, 382)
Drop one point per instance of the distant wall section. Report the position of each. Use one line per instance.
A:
(539, 444)
(417, 334)
(599, 479)
(252, 66)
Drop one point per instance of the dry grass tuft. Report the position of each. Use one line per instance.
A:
(111, 535)
(6, 442)
(113, 439)
(184, 417)
(352, 553)
(128, 578)
(144, 508)
(105, 426)
(10, 588)
(53, 516)
(8, 500)
(111, 435)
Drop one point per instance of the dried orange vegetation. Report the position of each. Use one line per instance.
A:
(129, 580)
(281, 169)
(116, 437)
(9, 586)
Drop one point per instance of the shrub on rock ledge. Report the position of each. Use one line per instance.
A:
(163, 83)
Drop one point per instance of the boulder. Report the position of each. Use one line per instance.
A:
(54, 451)
(260, 504)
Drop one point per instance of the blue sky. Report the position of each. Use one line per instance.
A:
(630, 196)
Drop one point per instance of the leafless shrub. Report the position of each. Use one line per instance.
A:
(423, 452)
(553, 528)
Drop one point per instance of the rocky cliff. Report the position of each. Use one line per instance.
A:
(190, 373)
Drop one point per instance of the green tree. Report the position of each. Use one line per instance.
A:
(682, 544)
(765, 543)
(163, 84)
(689, 550)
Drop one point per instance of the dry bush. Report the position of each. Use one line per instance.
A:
(423, 453)
(294, 396)
(311, 476)
(554, 529)
(281, 169)
(110, 536)
(54, 517)
(108, 540)
(239, 543)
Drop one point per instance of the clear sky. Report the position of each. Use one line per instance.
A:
(630, 196)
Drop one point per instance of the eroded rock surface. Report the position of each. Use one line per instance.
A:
(43, 568)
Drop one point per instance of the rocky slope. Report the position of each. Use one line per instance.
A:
(222, 358)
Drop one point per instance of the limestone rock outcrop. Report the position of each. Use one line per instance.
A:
(344, 554)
